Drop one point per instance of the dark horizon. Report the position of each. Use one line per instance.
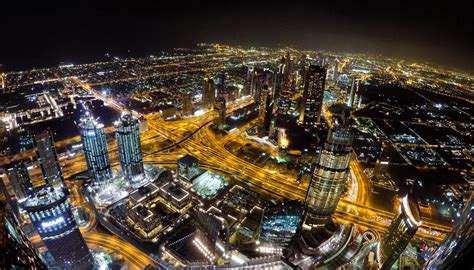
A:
(46, 36)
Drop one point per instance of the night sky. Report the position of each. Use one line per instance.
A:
(38, 36)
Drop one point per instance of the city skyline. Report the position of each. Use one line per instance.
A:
(236, 136)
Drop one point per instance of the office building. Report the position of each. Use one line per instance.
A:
(310, 111)
(50, 213)
(208, 94)
(127, 133)
(220, 83)
(354, 95)
(19, 180)
(48, 159)
(95, 149)
(400, 232)
(249, 82)
(265, 112)
(188, 168)
(330, 172)
(220, 109)
(16, 251)
(381, 167)
(187, 100)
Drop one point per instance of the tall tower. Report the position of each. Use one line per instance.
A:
(220, 83)
(313, 94)
(353, 99)
(455, 251)
(52, 217)
(95, 148)
(187, 104)
(48, 159)
(208, 94)
(220, 109)
(265, 112)
(16, 251)
(20, 180)
(127, 133)
(249, 82)
(400, 232)
(330, 173)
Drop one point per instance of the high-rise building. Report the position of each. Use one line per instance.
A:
(50, 213)
(208, 94)
(48, 159)
(127, 133)
(95, 148)
(313, 94)
(381, 166)
(265, 111)
(354, 95)
(220, 109)
(187, 104)
(455, 251)
(19, 179)
(16, 251)
(330, 172)
(400, 232)
(249, 82)
(220, 83)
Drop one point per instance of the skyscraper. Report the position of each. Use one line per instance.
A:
(220, 109)
(187, 104)
(249, 82)
(48, 159)
(208, 94)
(95, 148)
(265, 111)
(455, 250)
(16, 251)
(127, 133)
(353, 99)
(51, 215)
(20, 180)
(313, 94)
(400, 232)
(220, 83)
(330, 173)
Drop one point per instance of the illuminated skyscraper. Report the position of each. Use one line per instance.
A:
(16, 251)
(127, 133)
(400, 232)
(220, 83)
(208, 94)
(353, 98)
(95, 148)
(19, 179)
(455, 251)
(51, 215)
(315, 79)
(220, 109)
(265, 111)
(187, 104)
(330, 173)
(249, 82)
(48, 159)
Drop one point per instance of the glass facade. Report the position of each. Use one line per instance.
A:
(330, 173)
(52, 217)
(48, 159)
(313, 96)
(127, 134)
(95, 149)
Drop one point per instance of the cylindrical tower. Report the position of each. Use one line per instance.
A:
(127, 133)
(51, 215)
(95, 148)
